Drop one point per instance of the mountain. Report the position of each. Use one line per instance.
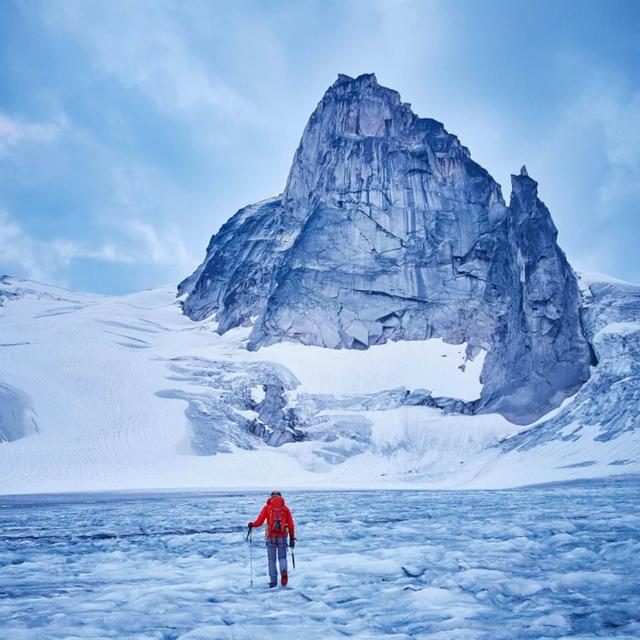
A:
(387, 321)
(387, 231)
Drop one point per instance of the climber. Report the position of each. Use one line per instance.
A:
(279, 527)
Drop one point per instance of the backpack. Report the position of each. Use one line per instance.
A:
(277, 523)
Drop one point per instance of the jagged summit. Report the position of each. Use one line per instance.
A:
(388, 230)
(363, 87)
(368, 78)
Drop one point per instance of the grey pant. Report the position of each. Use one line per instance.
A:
(279, 544)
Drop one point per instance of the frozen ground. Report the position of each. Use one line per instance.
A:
(543, 562)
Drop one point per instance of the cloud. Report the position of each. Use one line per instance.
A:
(181, 112)
(608, 107)
(133, 242)
(154, 245)
(142, 45)
(48, 260)
(587, 162)
(14, 132)
(20, 252)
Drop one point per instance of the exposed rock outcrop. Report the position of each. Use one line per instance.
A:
(606, 407)
(388, 230)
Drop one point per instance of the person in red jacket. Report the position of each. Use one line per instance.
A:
(279, 527)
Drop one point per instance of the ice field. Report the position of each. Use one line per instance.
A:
(543, 562)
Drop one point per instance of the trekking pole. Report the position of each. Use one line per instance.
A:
(249, 539)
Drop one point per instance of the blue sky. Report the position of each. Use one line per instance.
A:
(130, 131)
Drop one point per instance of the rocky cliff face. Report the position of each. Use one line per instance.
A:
(387, 230)
(606, 407)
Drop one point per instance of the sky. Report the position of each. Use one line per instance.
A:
(130, 131)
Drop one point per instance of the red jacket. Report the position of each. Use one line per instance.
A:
(276, 502)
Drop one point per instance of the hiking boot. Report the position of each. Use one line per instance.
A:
(272, 585)
(285, 578)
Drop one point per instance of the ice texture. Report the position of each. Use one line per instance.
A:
(387, 230)
(548, 562)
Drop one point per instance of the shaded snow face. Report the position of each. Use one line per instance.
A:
(17, 419)
(386, 231)
(553, 562)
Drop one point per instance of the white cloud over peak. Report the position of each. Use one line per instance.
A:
(133, 242)
(142, 46)
(14, 132)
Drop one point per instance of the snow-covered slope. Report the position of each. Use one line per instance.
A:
(105, 392)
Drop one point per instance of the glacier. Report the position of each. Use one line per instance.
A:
(545, 562)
